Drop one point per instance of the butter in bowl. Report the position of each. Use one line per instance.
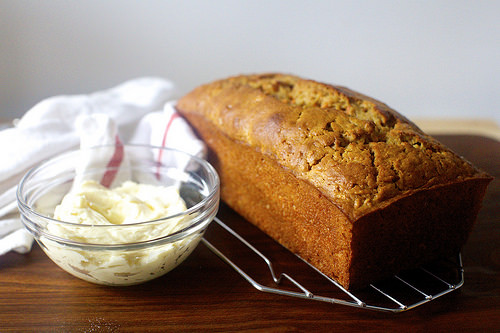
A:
(141, 225)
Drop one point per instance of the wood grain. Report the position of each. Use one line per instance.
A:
(205, 294)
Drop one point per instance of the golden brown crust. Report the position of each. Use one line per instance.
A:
(421, 227)
(335, 176)
(288, 209)
(355, 150)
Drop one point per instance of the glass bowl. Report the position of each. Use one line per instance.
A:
(119, 254)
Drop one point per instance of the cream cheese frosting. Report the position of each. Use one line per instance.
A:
(116, 216)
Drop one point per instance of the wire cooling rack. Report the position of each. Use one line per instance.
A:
(403, 292)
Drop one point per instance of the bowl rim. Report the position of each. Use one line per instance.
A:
(25, 207)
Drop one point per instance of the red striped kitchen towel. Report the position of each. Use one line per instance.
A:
(57, 124)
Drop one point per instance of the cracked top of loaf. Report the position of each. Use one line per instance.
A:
(357, 151)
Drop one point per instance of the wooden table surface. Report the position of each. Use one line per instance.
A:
(205, 294)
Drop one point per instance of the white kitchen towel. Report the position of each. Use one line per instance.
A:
(100, 130)
(167, 128)
(164, 128)
(130, 112)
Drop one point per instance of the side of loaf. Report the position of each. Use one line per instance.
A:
(339, 178)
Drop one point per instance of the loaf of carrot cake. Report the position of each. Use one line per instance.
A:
(338, 178)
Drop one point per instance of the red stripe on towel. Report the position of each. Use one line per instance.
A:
(164, 141)
(113, 164)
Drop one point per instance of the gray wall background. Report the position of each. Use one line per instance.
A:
(436, 58)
